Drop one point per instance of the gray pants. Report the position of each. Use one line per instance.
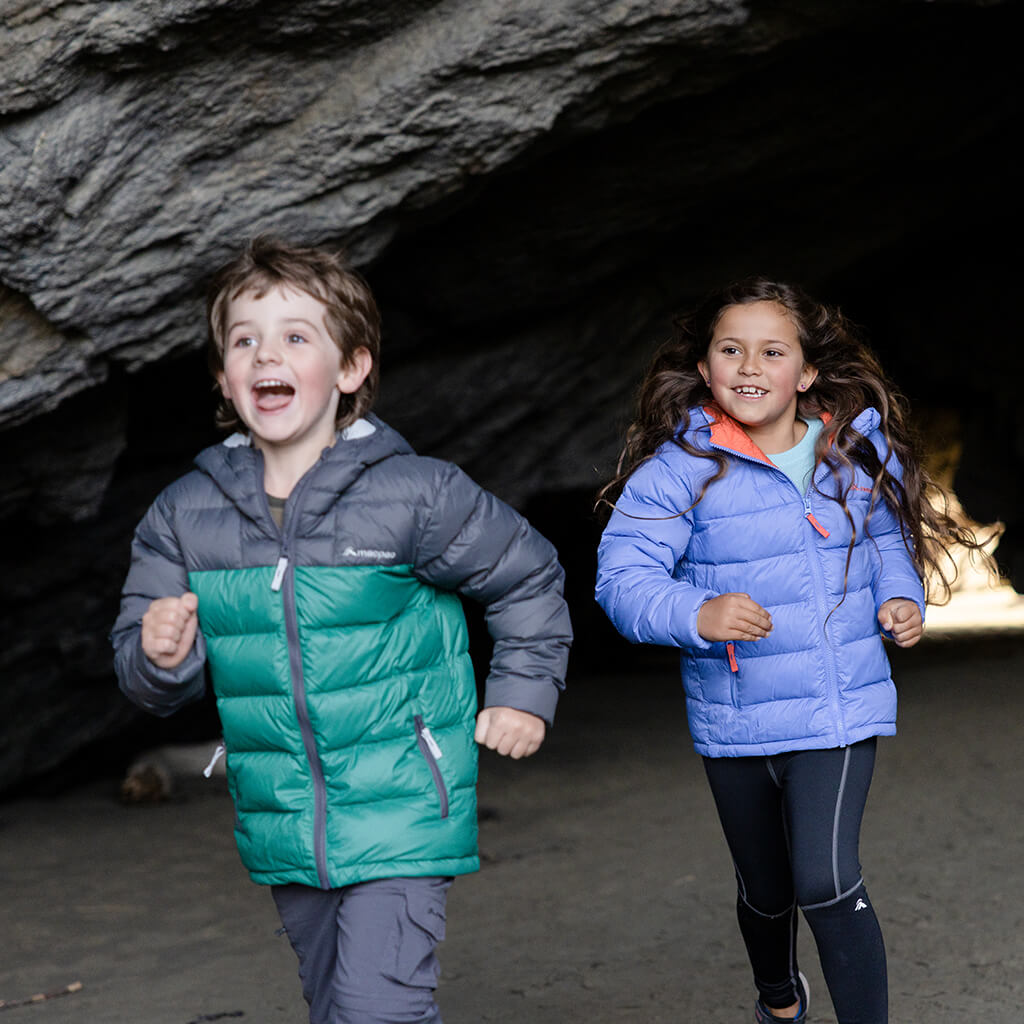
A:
(367, 951)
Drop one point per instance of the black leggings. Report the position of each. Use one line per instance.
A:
(792, 822)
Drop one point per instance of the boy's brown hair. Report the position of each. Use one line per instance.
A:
(352, 317)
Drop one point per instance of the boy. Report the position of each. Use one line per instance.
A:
(311, 564)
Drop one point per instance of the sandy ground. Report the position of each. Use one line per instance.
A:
(606, 893)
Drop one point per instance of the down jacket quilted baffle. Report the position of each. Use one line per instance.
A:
(821, 678)
(337, 648)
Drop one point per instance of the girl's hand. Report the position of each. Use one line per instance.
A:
(510, 732)
(169, 628)
(901, 619)
(733, 617)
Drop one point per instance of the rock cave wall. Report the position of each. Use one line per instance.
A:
(531, 188)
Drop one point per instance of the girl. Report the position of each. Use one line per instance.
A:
(770, 519)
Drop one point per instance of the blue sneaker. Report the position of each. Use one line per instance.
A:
(764, 1015)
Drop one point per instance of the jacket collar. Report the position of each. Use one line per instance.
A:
(729, 434)
(237, 468)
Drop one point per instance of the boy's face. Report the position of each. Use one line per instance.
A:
(283, 371)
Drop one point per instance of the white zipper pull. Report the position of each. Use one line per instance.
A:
(217, 755)
(431, 744)
(282, 565)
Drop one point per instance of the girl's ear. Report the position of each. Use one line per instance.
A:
(808, 375)
(222, 383)
(702, 365)
(355, 371)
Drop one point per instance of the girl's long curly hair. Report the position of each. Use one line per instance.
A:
(849, 380)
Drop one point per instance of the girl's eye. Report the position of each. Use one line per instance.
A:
(772, 352)
(296, 339)
(244, 341)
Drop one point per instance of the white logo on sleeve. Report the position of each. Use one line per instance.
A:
(861, 905)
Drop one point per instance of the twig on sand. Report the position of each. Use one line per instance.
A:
(39, 997)
(203, 1017)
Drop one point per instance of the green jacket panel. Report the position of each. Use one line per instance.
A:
(340, 705)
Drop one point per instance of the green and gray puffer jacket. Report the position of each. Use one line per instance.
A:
(337, 648)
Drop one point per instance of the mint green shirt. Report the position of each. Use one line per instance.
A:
(798, 462)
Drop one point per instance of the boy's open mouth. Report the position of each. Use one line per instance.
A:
(270, 395)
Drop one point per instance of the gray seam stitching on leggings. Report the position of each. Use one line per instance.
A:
(760, 913)
(835, 821)
(739, 877)
(839, 899)
(793, 972)
(741, 884)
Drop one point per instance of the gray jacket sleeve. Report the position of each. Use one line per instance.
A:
(477, 545)
(157, 570)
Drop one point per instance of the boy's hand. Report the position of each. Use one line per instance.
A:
(733, 617)
(169, 628)
(510, 732)
(901, 619)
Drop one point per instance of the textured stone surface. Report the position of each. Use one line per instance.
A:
(154, 136)
(531, 188)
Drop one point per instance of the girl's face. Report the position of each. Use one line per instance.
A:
(755, 368)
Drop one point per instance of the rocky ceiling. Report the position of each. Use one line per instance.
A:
(531, 187)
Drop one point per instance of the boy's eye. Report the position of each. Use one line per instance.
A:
(243, 341)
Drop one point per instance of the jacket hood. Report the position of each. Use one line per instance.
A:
(237, 467)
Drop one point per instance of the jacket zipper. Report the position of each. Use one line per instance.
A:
(820, 592)
(734, 674)
(284, 581)
(432, 754)
(821, 597)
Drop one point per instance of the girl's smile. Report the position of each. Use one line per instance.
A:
(755, 368)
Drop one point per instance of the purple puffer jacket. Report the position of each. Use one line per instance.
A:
(821, 678)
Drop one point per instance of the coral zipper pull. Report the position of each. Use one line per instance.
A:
(282, 565)
(814, 522)
(730, 649)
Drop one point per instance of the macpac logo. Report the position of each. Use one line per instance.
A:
(861, 905)
(367, 553)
